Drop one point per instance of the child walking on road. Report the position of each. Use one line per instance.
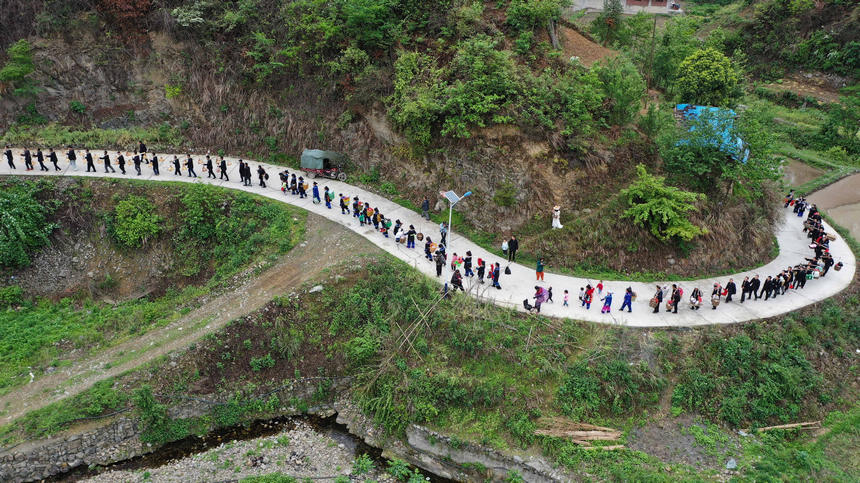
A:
(607, 303)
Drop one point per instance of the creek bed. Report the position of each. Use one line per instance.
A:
(304, 446)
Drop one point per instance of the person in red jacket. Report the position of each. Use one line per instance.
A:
(589, 296)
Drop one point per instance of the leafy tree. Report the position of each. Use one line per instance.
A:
(135, 221)
(570, 96)
(24, 225)
(663, 209)
(623, 88)
(416, 104)
(528, 14)
(370, 22)
(676, 43)
(17, 68)
(484, 85)
(707, 77)
(610, 22)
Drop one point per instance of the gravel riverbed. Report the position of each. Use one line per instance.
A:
(301, 452)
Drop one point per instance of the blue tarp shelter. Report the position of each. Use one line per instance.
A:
(722, 120)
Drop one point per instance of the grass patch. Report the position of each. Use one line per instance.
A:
(162, 136)
(96, 401)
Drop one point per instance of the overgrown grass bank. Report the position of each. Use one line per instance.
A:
(212, 234)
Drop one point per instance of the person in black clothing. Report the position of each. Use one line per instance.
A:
(467, 265)
(242, 173)
(136, 160)
(72, 157)
(745, 288)
(802, 270)
(155, 164)
(262, 174)
(676, 298)
(410, 235)
(828, 262)
(120, 160)
(302, 192)
(767, 288)
(659, 297)
(89, 157)
(425, 209)
(223, 168)
(141, 148)
(209, 168)
(755, 283)
(715, 296)
(41, 159)
(440, 262)
(28, 160)
(8, 154)
(106, 159)
(176, 170)
(457, 281)
(52, 157)
(189, 166)
(513, 246)
(731, 289)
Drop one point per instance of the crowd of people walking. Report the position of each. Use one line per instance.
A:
(792, 278)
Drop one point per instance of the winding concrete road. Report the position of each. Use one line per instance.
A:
(793, 247)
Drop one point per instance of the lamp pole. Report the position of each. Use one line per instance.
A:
(453, 199)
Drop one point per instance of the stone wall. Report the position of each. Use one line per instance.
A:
(114, 441)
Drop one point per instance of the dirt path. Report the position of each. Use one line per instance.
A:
(326, 244)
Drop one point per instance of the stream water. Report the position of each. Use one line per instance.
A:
(336, 436)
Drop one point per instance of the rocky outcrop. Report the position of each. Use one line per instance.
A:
(445, 456)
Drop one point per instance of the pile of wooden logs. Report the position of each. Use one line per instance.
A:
(581, 433)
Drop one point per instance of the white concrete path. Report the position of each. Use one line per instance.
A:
(793, 246)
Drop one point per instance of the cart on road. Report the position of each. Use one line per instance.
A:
(329, 164)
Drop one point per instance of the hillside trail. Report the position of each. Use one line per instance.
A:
(326, 244)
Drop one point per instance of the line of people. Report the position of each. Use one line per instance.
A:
(790, 278)
(140, 157)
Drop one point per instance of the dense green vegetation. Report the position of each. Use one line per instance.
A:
(26, 224)
(492, 376)
(17, 69)
(135, 221)
(40, 333)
